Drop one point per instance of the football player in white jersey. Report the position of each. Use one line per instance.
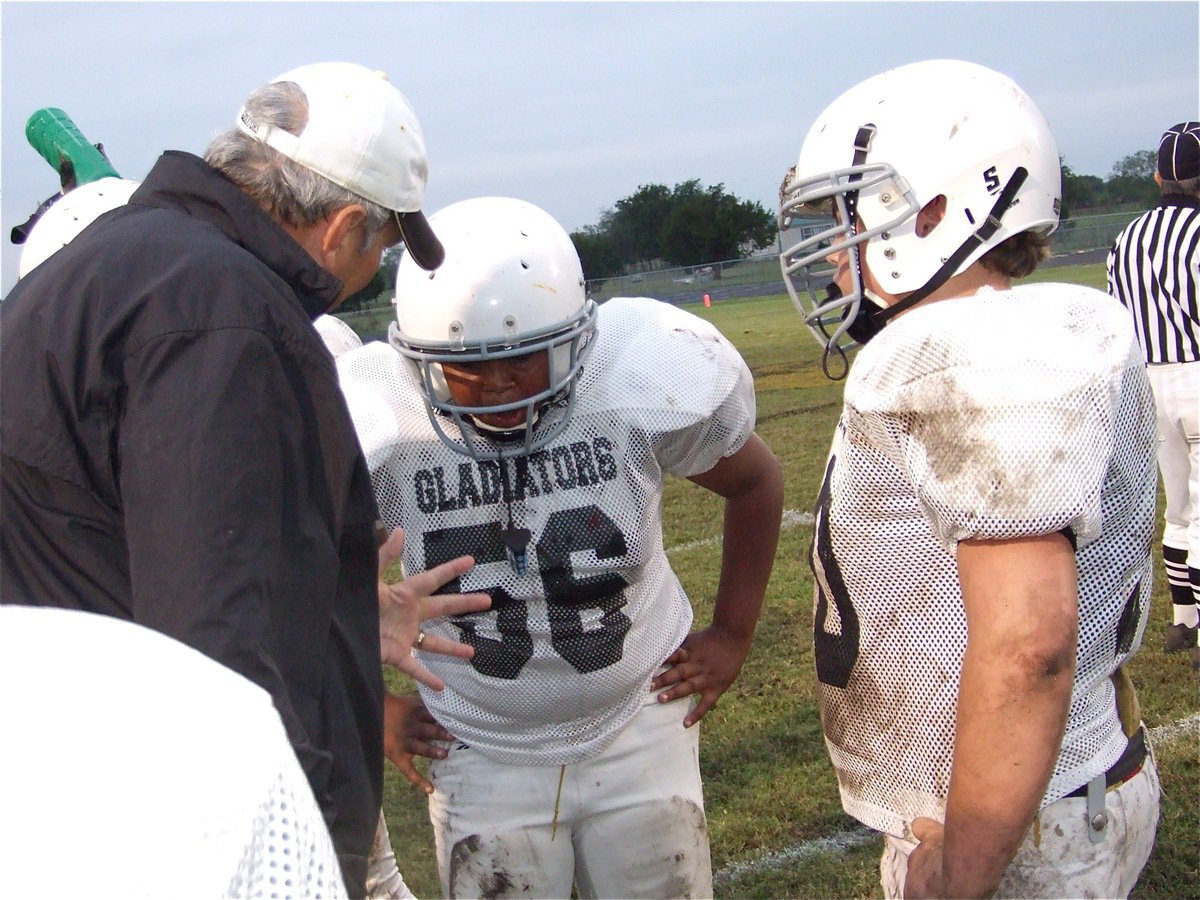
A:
(982, 539)
(513, 420)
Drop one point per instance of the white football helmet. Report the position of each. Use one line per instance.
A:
(883, 150)
(511, 284)
(69, 215)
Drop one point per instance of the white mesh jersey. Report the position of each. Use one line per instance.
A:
(565, 656)
(187, 787)
(1006, 414)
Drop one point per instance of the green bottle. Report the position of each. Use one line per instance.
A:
(59, 141)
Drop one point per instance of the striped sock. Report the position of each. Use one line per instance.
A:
(1183, 582)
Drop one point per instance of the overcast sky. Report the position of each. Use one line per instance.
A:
(573, 106)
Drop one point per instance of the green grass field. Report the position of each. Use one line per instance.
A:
(776, 824)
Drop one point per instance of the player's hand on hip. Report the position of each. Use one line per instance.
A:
(404, 605)
(924, 877)
(706, 663)
(410, 730)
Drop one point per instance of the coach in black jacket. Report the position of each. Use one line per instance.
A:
(174, 447)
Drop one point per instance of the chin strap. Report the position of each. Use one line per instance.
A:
(980, 236)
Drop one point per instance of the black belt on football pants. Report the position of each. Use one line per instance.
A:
(1126, 766)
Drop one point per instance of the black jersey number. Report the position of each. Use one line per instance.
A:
(567, 595)
(835, 651)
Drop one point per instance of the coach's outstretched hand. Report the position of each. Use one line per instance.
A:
(706, 663)
(409, 730)
(403, 606)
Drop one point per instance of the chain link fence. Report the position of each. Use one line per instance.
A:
(1076, 240)
(1083, 239)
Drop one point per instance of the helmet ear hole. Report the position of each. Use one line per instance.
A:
(931, 215)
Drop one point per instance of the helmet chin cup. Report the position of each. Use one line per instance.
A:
(868, 321)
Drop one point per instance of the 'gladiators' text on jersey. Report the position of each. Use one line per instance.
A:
(564, 657)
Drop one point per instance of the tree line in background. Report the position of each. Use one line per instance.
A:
(1129, 185)
(690, 224)
(680, 226)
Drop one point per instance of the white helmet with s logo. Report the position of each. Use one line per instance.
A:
(887, 147)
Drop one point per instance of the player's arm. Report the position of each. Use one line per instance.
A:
(1021, 604)
(709, 660)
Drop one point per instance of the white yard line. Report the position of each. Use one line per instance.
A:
(841, 841)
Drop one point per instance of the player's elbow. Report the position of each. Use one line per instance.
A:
(1045, 650)
(1050, 661)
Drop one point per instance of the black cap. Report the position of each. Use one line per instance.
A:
(419, 240)
(1179, 152)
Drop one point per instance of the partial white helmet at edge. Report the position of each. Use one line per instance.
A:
(339, 337)
(896, 141)
(68, 216)
(511, 284)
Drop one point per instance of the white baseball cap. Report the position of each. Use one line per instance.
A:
(362, 135)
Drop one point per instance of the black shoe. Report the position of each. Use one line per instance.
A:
(1196, 658)
(1180, 637)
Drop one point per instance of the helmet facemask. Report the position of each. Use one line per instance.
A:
(546, 411)
(838, 320)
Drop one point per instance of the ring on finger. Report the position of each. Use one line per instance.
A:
(420, 639)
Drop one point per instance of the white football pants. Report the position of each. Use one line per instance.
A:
(384, 881)
(1177, 401)
(1057, 857)
(627, 823)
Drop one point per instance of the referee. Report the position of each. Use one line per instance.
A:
(1154, 270)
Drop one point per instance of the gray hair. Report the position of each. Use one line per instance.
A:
(295, 195)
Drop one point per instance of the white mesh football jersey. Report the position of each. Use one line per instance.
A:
(186, 787)
(1006, 414)
(339, 337)
(565, 656)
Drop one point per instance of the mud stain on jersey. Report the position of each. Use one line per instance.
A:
(850, 716)
(870, 721)
(982, 453)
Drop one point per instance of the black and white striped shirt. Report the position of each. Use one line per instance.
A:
(1154, 270)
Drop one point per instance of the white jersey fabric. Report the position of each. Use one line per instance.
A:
(134, 766)
(1001, 415)
(565, 656)
(339, 337)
